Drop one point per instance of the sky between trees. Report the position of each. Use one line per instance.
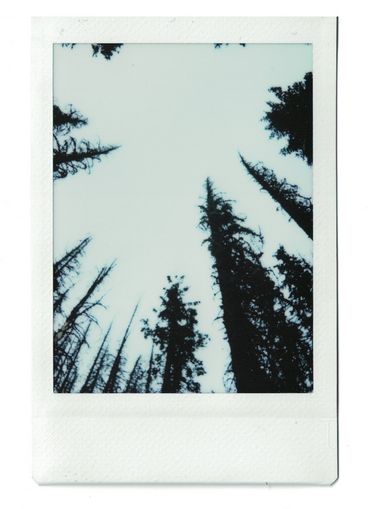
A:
(181, 113)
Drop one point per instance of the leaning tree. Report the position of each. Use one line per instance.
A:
(73, 315)
(261, 338)
(298, 207)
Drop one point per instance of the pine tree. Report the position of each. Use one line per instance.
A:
(94, 381)
(286, 195)
(247, 293)
(83, 308)
(177, 337)
(69, 155)
(297, 276)
(115, 379)
(64, 270)
(284, 354)
(71, 327)
(292, 117)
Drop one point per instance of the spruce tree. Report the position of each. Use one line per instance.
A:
(298, 207)
(284, 351)
(247, 293)
(291, 117)
(296, 283)
(177, 337)
(297, 280)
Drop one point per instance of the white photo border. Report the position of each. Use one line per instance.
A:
(187, 438)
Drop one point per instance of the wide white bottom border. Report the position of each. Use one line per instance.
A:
(182, 450)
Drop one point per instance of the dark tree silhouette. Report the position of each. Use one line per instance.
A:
(65, 270)
(292, 118)
(297, 275)
(218, 45)
(246, 290)
(151, 370)
(299, 207)
(70, 336)
(285, 353)
(64, 121)
(70, 155)
(296, 283)
(264, 342)
(106, 50)
(84, 307)
(116, 378)
(137, 379)
(94, 381)
(177, 337)
(68, 375)
(71, 327)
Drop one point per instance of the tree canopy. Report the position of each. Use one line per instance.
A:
(106, 50)
(291, 117)
(265, 344)
(264, 308)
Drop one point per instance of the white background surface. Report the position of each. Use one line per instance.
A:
(18, 489)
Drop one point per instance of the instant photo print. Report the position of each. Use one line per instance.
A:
(184, 212)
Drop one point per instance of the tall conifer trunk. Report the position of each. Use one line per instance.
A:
(228, 243)
(177, 336)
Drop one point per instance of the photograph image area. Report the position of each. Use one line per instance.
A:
(183, 218)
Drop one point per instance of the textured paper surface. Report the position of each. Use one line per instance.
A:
(112, 438)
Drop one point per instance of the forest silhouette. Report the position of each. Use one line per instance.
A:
(266, 312)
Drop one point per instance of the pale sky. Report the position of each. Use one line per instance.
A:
(181, 113)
